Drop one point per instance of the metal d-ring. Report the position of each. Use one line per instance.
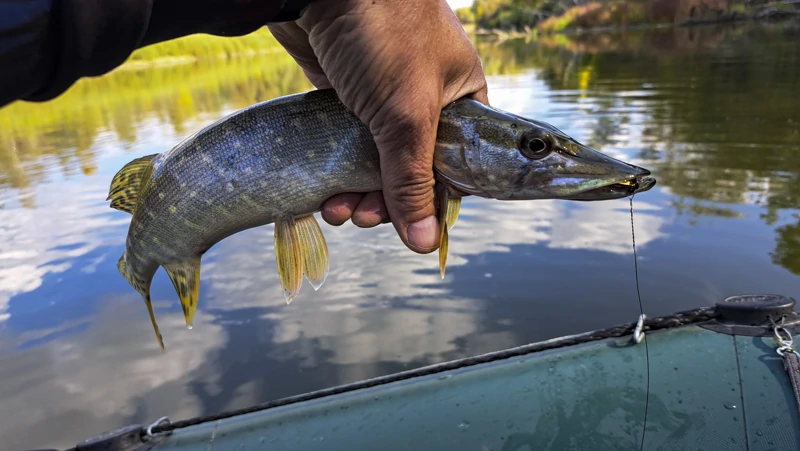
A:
(638, 332)
(150, 433)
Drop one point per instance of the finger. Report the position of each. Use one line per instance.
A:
(338, 209)
(404, 132)
(295, 41)
(371, 211)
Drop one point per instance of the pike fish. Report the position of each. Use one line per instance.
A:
(277, 162)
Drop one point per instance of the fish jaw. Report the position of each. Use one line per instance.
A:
(490, 153)
(625, 188)
(589, 175)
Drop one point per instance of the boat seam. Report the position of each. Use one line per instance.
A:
(741, 392)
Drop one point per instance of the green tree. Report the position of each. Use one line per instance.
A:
(465, 15)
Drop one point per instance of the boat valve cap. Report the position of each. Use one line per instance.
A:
(757, 309)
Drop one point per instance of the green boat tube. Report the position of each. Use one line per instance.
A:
(716, 382)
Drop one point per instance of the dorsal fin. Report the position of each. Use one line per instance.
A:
(124, 191)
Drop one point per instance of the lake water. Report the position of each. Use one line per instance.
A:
(713, 112)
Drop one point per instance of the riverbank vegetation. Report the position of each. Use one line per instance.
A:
(594, 14)
(205, 47)
(547, 16)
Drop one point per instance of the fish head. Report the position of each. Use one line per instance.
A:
(494, 154)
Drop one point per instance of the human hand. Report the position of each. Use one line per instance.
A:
(395, 64)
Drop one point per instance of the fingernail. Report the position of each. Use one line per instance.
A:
(422, 234)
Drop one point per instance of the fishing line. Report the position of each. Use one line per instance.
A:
(641, 311)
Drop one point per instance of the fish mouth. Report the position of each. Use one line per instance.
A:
(616, 190)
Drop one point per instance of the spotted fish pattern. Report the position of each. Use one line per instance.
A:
(279, 160)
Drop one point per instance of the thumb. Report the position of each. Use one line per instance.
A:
(405, 135)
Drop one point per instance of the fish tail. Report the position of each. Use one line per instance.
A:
(125, 186)
(123, 268)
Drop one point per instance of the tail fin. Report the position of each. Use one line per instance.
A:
(124, 191)
(145, 292)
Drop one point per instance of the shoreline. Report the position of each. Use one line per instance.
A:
(169, 61)
(767, 15)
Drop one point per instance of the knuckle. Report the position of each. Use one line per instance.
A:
(399, 122)
(405, 141)
(406, 112)
(413, 195)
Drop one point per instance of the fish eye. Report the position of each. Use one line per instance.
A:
(534, 147)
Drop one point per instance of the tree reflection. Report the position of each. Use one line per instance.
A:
(787, 249)
(721, 126)
(65, 128)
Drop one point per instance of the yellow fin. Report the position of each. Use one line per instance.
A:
(152, 314)
(448, 214)
(145, 292)
(443, 236)
(185, 277)
(453, 208)
(124, 191)
(289, 256)
(314, 249)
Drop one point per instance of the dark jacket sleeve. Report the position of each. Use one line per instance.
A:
(47, 45)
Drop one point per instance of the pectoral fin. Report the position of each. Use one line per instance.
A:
(453, 207)
(315, 250)
(448, 214)
(289, 256)
(185, 278)
(443, 236)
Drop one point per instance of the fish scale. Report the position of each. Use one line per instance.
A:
(279, 160)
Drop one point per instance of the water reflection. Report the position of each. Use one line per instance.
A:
(711, 105)
(93, 378)
(39, 141)
(706, 109)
